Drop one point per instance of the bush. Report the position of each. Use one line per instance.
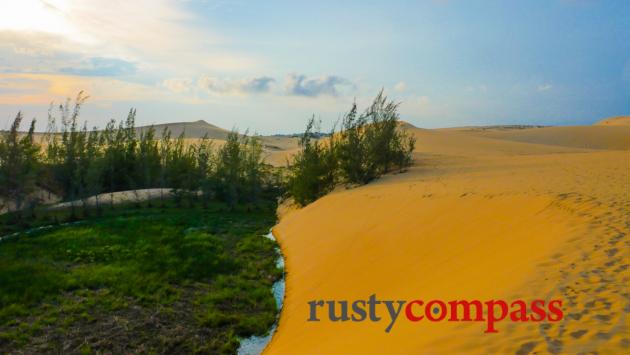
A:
(313, 169)
(369, 145)
(78, 163)
(372, 143)
(19, 166)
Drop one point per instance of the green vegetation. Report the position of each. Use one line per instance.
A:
(166, 279)
(76, 164)
(191, 274)
(18, 164)
(369, 145)
(313, 169)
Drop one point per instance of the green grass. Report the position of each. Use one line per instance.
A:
(152, 280)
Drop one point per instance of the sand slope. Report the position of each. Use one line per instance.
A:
(196, 129)
(586, 137)
(615, 121)
(479, 216)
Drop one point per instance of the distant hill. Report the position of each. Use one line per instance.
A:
(276, 147)
(492, 127)
(195, 129)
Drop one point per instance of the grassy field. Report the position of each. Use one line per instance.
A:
(140, 280)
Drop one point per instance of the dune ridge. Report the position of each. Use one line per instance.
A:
(583, 137)
(615, 121)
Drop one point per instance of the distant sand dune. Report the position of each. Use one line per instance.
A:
(615, 121)
(585, 137)
(196, 129)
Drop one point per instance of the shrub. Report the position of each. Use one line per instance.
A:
(313, 170)
(372, 143)
(369, 145)
(78, 163)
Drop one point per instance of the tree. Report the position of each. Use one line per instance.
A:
(253, 169)
(369, 145)
(313, 169)
(372, 143)
(93, 168)
(19, 162)
(353, 160)
(65, 160)
(148, 159)
(81, 164)
(180, 170)
(165, 152)
(229, 169)
(206, 167)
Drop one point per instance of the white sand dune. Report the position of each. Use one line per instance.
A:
(117, 198)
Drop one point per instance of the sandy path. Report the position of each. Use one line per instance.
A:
(478, 217)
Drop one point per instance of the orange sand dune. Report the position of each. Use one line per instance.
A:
(615, 121)
(478, 216)
(586, 137)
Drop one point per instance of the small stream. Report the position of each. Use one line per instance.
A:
(255, 345)
(37, 229)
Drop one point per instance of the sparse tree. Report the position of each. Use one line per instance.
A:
(369, 145)
(229, 173)
(19, 162)
(313, 168)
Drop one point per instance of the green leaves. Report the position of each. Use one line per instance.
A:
(79, 163)
(369, 145)
(19, 164)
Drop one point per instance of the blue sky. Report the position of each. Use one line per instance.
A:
(268, 66)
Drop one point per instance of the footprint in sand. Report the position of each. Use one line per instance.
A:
(578, 333)
(526, 348)
(612, 252)
(604, 336)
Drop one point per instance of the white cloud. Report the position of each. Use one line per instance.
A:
(34, 16)
(159, 35)
(254, 85)
(401, 86)
(177, 85)
(423, 100)
(332, 85)
(544, 87)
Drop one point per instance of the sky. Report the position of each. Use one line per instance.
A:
(268, 66)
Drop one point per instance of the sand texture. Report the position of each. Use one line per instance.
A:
(615, 121)
(484, 214)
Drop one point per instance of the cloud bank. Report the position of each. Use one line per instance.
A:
(301, 85)
(256, 85)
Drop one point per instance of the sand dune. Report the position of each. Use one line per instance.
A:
(532, 213)
(615, 121)
(585, 137)
(193, 131)
(276, 149)
(196, 129)
(117, 198)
